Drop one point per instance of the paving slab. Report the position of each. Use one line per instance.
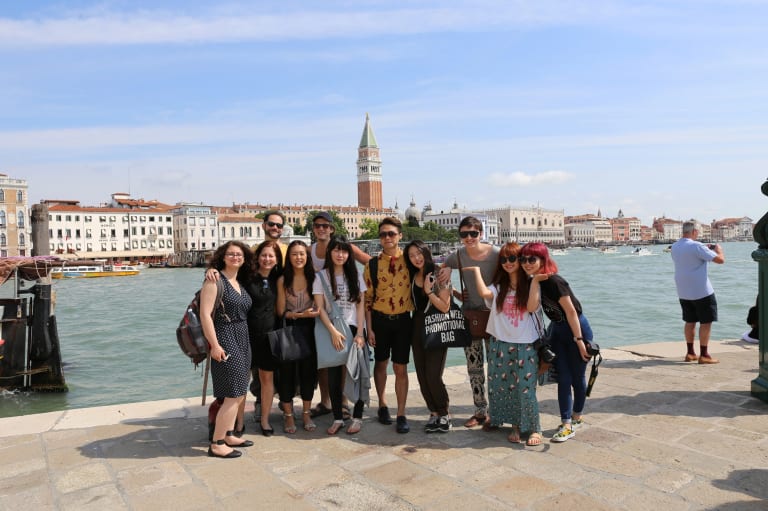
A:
(659, 434)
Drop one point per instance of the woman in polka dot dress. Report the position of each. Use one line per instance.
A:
(227, 334)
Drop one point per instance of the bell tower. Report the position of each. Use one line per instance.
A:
(369, 170)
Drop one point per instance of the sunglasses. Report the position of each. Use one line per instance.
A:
(233, 255)
(275, 224)
(321, 226)
(529, 259)
(388, 234)
(464, 234)
(508, 259)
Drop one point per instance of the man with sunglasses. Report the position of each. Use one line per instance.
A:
(388, 316)
(473, 253)
(274, 221)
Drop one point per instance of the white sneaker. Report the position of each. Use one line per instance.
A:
(577, 423)
(564, 432)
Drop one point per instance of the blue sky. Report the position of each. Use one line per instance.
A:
(653, 107)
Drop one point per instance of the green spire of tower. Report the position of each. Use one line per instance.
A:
(368, 139)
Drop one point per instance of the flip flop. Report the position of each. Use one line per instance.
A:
(514, 436)
(318, 410)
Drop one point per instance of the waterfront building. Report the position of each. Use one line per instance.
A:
(625, 229)
(237, 226)
(524, 225)
(588, 229)
(667, 230)
(733, 229)
(123, 229)
(15, 220)
(194, 231)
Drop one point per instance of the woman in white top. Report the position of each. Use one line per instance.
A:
(512, 361)
(347, 287)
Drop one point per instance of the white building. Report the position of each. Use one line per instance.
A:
(194, 230)
(15, 224)
(123, 229)
(452, 219)
(591, 232)
(523, 225)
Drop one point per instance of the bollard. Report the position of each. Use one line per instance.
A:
(760, 234)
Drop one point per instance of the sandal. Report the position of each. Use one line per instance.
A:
(514, 436)
(335, 427)
(475, 420)
(534, 439)
(289, 429)
(307, 419)
(318, 410)
(345, 413)
(355, 427)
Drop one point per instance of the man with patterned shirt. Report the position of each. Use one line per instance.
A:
(388, 315)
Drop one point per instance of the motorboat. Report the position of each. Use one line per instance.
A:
(94, 270)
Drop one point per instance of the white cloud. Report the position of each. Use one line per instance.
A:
(513, 179)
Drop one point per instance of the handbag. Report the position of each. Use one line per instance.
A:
(327, 355)
(287, 343)
(477, 319)
(445, 329)
(547, 370)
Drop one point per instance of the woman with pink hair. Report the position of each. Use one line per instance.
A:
(570, 331)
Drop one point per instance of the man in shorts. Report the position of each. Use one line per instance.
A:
(388, 316)
(697, 296)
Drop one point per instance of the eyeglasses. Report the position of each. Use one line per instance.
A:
(321, 226)
(275, 224)
(508, 259)
(233, 256)
(529, 259)
(388, 234)
(464, 234)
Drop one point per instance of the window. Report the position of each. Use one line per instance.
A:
(161, 243)
(170, 244)
(191, 221)
(103, 218)
(77, 234)
(126, 245)
(67, 233)
(202, 221)
(2, 195)
(125, 233)
(2, 218)
(3, 240)
(77, 218)
(112, 233)
(20, 217)
(143, 231)
(88, 234)
(135, 244)
(88, 218)
(68, 218)
(89, 247)
(19, 196)
(103, 247)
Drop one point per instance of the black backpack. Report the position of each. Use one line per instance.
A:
(189, 333)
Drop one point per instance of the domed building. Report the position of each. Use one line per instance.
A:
(412, 214)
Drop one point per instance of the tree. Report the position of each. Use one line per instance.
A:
(370, 228)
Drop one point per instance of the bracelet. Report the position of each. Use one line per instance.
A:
(577, 339)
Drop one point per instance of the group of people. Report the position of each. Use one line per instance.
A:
(385, 307)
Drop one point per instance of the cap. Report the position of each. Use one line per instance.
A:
(324, 215)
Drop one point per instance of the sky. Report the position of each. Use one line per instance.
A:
(656, 108)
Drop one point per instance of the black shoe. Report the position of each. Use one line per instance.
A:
(402, 424)
(444, 424)
(246, 443)
(266, 431)
(384, 416)
(234, 454)
(431, 425)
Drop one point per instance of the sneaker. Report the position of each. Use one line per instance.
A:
(402, 424)
(384, 416)
(431, 425)
(444, 424)
(564, 432)
(577, 423)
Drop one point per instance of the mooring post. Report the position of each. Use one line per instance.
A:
(760, 233)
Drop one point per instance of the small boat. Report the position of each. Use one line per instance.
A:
(559, 251)
(94, 270)
(608, 250)
(668, 249)
(642, 251)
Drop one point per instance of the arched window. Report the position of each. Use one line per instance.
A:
(2, 217)
(3, 240)
(20, 216)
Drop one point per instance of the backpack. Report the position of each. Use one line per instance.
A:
(189, 333)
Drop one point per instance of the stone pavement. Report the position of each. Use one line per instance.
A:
(659, 434)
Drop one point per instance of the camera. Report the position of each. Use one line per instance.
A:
(711, 246)
(546, 354)
(593, 349)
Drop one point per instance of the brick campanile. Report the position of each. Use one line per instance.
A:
(369, 170)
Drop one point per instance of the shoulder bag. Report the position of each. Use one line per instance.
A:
(477, 319)
(327, 355)
(547, 369)
(444, 329)
(287, 343)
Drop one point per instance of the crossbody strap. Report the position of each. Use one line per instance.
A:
(329, 297)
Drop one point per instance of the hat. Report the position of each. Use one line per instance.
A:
(324, 215)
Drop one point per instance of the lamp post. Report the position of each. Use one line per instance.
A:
(515, 229)
(760, 233)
